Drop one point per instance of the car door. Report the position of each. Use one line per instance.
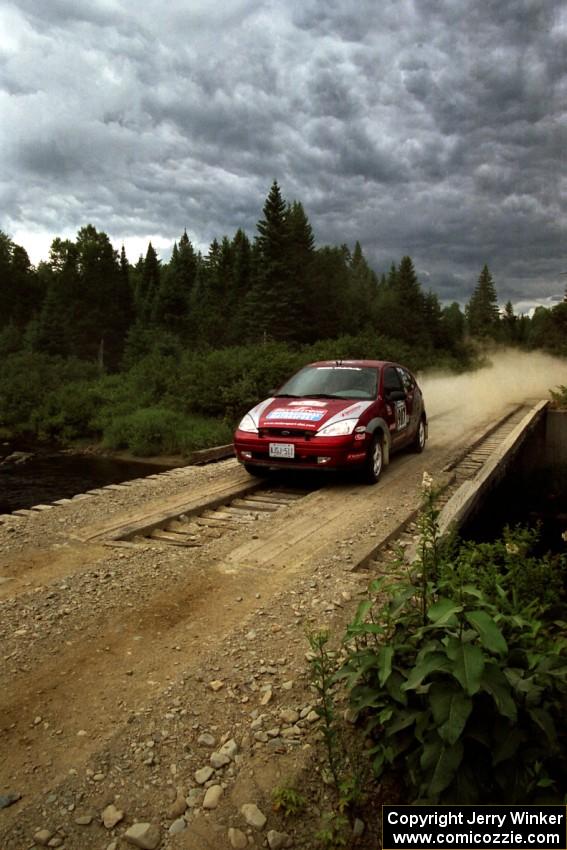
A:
(412, 401)
(396, 411)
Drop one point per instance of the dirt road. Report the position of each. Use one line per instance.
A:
(124, 669)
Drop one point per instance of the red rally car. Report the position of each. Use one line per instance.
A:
(335, 414)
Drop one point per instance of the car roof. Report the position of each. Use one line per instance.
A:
(356, 363)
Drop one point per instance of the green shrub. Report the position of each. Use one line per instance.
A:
(227, 382)
(69, 399)
(67, 413)
(463, 689)
(509, 563)
(157, 430)
(28, 379)
(10, 340)
(559, 397)
(200, 432)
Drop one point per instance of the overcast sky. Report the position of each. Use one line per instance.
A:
(434, 128)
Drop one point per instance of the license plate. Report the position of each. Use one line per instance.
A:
(282, 450)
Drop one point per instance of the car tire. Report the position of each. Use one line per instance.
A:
(256, 471)
(374, 460)
(418, 444)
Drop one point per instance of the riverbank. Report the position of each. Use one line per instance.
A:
(39, 473)
(123, 456)
(219, 452)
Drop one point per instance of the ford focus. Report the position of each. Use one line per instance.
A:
(336, 414)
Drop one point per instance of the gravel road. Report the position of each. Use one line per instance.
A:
(154, 696)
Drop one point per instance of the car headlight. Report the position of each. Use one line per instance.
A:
(247, 424)
(337, 429)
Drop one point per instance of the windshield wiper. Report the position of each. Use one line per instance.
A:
(287, 395)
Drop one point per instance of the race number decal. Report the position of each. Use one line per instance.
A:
(401, 415)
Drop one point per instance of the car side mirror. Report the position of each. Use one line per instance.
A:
(396, 395)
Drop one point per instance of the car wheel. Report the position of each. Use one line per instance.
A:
(257, 471)
(374, 460)
(418, 444)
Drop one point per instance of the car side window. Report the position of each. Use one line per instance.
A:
(406, 379)
(392, 380)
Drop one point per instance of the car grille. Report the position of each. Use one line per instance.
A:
(285, 432)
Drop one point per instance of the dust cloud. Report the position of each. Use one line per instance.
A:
(454, 403)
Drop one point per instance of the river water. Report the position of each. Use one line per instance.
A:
(50, 474)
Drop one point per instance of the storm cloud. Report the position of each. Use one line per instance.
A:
(434, 128)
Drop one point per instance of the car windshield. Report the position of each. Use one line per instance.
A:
(332, 382)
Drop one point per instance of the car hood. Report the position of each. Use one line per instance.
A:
(308, 414)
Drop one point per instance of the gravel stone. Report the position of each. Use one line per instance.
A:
(206, 740)
(278, 840)
(194, 797)
(230, 748)
(111, 816)
(253, 816)
(289, 715)
(212, 797)
(203, 775)
(177, 826)
(42, 837)
(237, 838)
(147, 836)
(219, 760)
(178, 806)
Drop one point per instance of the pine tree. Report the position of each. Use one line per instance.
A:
(406, 316)
(433, 319)
(172, 303)
(185, 266)
(57, 331)
(453, 323)
(508, 323)
(105, 307)
(208, 319)
(301, 256)
(242, 264)
(362, 291)
(329, 308)
(387, 306)
(482, 309)
(301, 232)
(5, 278)
(20, 295)
(124, 268)
(273, 309)
(170, 306)
(148, 286)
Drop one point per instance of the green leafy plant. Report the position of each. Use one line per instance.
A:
(288, 800)
(462, 689)
(335, 831)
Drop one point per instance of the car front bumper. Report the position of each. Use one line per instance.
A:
(315, 453)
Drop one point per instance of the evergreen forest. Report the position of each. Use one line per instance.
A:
(163, 357)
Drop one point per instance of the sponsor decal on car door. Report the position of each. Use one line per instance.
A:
(401, 415)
